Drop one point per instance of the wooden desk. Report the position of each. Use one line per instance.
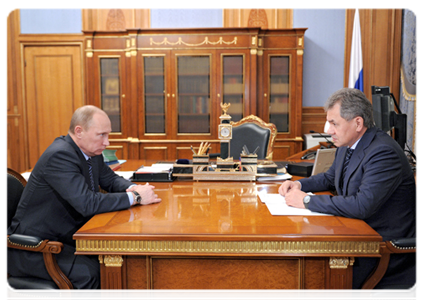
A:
(219, 235)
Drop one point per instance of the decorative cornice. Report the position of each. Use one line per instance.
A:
(181, 42)
(228, 247)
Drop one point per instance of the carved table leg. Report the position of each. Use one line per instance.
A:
(340, 273)
(112, 272)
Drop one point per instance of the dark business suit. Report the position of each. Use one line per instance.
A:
(57, 201)
(379, 188)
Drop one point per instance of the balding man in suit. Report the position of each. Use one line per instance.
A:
(63, 193)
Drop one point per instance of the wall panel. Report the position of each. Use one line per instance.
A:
(263, 18)
(16, 148)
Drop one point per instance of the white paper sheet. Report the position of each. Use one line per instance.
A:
(280, 177)
(277, 206)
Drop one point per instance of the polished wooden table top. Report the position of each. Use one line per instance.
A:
(218, 211)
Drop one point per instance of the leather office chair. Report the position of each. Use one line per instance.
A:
(15, 186)
(399, 246)
(253, 132)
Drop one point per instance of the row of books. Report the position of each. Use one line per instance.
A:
(193, 65)
(154, 105)
(194, 104)
(109, 66)
(110, 104)
(200, 84)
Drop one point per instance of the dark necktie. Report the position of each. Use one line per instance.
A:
(346, 163)
(90, 170)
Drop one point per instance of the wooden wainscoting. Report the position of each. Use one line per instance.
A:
(314, 118)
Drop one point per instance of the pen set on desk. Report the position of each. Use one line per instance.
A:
(245, 150)
(202, 150)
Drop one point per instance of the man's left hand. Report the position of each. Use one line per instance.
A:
(295, 198)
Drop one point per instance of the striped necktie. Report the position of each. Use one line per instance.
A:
(90, 170)
(346, 163)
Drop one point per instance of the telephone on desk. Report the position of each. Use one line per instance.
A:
(312, 154)
(309, 155)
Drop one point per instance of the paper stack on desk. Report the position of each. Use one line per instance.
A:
(279, 177)
(277, 206)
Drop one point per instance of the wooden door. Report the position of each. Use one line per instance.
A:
(53, 90)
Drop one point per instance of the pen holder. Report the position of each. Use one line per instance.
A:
(249, 163)
(200, 163)
(250, 159)
(200, 159)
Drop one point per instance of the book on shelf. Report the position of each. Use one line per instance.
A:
(194, 104)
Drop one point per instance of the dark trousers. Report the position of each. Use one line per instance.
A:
(401, 272)
(82, 271)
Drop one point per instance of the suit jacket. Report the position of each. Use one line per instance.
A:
(379, 188)
(58, 200)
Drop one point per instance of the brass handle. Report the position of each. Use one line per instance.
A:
(218, 95)
(168, 95)
(173, 95)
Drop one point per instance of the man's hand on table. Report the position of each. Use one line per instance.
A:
(146, 192)
(291, 190)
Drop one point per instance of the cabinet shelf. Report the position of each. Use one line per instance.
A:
(154, 95)
(154, 114)
(193, 94)
(153, 74)
(193, 75)
(196, 115)
(110, 95)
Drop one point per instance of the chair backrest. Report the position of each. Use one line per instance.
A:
(15, 186)
(253, 132)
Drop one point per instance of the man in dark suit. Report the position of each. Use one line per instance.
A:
(62, 194)
(377, 185)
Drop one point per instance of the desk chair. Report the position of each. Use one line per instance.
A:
(253, 132)
(15, 186)
(399, 246)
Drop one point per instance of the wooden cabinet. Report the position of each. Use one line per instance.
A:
(162, 88)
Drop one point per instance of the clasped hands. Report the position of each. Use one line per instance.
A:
(146, 192)
(291, 190)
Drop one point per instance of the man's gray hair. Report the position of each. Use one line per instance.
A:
(83, 117)
(353, 104)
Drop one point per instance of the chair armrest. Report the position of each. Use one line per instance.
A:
(33, 243)
(48, 248)
(405, 245)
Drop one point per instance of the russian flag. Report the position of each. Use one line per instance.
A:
(356, 60)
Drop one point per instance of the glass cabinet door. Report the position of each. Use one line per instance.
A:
(193, 94)
(233, 85)
(279, 92)
(154, 94)
(110, 90)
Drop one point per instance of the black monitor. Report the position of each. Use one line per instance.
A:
(385, 115)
